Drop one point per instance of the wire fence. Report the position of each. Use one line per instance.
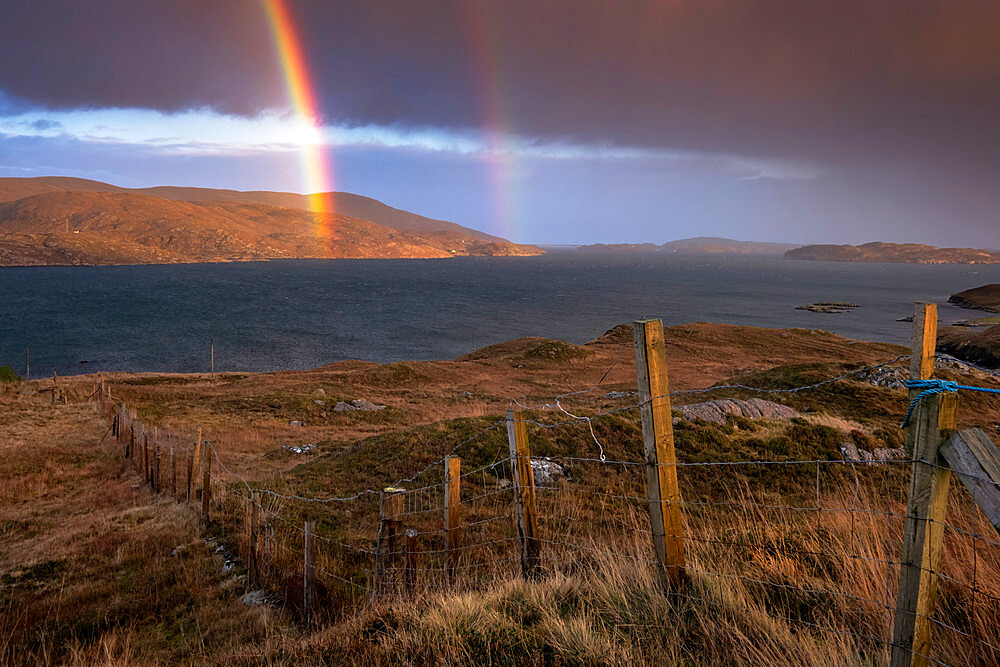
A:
(813, 543)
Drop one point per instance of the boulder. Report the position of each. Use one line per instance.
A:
(546, 471)
(357, 404)
(854, 454)
(717, 411)
(619, 394)
(254, 598)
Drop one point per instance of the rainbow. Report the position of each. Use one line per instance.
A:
(316, 168)
(501, 164)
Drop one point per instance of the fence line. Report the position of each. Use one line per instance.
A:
(373, 568)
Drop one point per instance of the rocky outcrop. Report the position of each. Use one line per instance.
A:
(980, 347)
(718, 411)
(357, 404)
(853, 454)
(985, 298)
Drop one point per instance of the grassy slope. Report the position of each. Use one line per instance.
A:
(92, 579)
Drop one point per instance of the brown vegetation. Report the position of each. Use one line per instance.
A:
(895, 252)
(89, 577)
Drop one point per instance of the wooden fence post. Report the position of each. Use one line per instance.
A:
(411, 561)
(157, 478)
(145, 459)
(524, 494)
(932, 423)
(254, 524)
(452, 510)
(309, 574)
(197, 450)
(173, 473)
(190, 470)
(658, 440)
(390, 511)
(206, 483)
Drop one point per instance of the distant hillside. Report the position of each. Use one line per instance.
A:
(986, 298)
(914, 253)
(75, 221)
(700, 245)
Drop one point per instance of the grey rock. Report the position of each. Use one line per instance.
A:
(227, 566)
(619, 394)
(466, 394)
(546, 471)
(296, 422)
(299, 449)
(717, 411)
(254, 598)
(357, 404)
(319, 402)
(853, 454)
(179, 551)
(321, 392)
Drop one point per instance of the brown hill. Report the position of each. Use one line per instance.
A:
(81, 227)
(75, 221)
(980, 346)
(911, 253)
(346, 203)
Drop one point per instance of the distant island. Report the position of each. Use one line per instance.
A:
(913, 253)
(72, 221)
(699, 245)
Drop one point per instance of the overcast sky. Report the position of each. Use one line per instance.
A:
(546, 121)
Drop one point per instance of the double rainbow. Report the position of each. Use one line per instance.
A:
(318, 169)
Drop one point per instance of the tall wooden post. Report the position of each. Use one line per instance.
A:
(206, 482)
(658, 439)
(452, 510)
(524, 494)
(173, 474)
(390, 513)
(932, 423)
(309, 574)
(254, 528)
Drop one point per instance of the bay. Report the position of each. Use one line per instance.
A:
(299, 314)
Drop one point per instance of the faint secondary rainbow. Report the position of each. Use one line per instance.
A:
(502, 164)
(317, 170)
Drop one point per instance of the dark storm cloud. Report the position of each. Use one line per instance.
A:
(817, 80)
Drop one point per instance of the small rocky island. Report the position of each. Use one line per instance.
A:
(829, 307)
(985, 298)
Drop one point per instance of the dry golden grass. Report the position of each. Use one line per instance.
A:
(88, 576)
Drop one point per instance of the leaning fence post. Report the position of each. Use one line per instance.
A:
(524, 493)
(452, 510)
(309, 573)
(931, 424)
(658, 439)
(390, 511)
(206, 488)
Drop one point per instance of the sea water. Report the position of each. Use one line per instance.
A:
(299, 314)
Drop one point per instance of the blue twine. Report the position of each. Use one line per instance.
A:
(931, 387)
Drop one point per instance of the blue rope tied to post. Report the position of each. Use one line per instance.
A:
(931, 387)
